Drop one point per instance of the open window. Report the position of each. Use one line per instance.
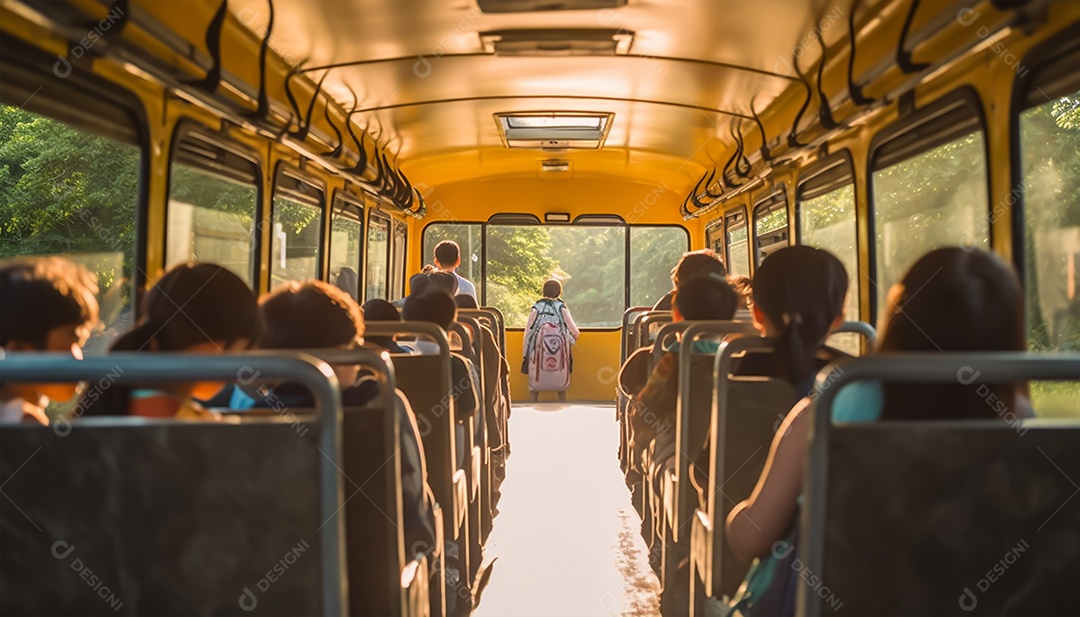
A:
(296, 228)
(736, 233)
(771, 231)
(346, 243)
(378, 257)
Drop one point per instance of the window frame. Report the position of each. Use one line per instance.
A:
(376, 213)
(1042, 60)
(717, 224)
(962, 103)
(341, 200)
(525, 220)
(187, 127)
(396, 225)
(284, 170)
(29, 69)
(776, 199)
(734, 213)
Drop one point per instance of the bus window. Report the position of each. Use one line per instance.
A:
(1050, 167)
(469, 238)
(770, 225)
(654, 251)
(346, 231)
(295, 239)
(714, 236)
(738, 243)
(927, 196)
(589, 260)
(378, 257)
(828, 222)
(397, 262)
(68, 191)
(211, 216)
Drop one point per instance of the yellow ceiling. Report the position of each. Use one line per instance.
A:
(428, 91)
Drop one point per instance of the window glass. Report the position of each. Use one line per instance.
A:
(378, 248)
(770, 228)
(934, 199)
(295, 238)
(67, 192)
(346, 230)
(589, 260)
(828, 222)
(397, 271)
(469, 238)
(654, 251)
(738, 242)
(714, 237)
(1050, 159)
(211, 218)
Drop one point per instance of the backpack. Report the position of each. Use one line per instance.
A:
(548, 349)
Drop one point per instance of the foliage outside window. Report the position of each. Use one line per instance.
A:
(211, 219)
(378, 256)
(346, 231)
(934, 199)
(654, 251)
(828, 222)
(1050, 160)
(295, 239)
(67, 192)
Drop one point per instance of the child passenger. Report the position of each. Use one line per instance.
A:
(46, 304)
(199, 308)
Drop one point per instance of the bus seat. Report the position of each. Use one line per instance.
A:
(414, 585)
(212, 512)
(975, 516)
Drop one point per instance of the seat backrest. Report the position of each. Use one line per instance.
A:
(852, 337)
(639, 328)
(173, 517)
(744, 418)
(949, 516)
(626, 345)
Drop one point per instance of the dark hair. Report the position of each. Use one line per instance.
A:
(800, 290)
(418, 283)
(41, 294)
(445, 281)
(552, 288)
(742, 286)
(431, 305)
(693, 263)
(447, 253)
(348, 280)
(192, 303)
(309, 315)
(380, 310)
(465, 301)
(952, 299)
(706, 296)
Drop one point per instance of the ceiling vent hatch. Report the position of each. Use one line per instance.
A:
(531, 6)
(558, 42)
(554, 130)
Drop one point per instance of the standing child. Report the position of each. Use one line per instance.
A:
(46, 304)
(548, 335)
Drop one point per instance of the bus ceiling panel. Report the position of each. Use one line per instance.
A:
(753, 34)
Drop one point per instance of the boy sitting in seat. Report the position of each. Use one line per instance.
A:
(46, 304)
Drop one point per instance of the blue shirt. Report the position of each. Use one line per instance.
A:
(860, 401)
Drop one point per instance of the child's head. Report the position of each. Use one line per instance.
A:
(952, 299)
(419, 282)
(445, 281)
(432, 305)
(312, 315)
(799, 297)
(465, 301)
(380, 310)
(196, 308)
(47, 304)
(706, 296)
(552, 288)
(447, 254)
(693, 263)
(742, 286)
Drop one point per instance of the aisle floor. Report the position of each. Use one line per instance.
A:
(567, 540)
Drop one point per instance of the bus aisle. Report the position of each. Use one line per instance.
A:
(567, 540)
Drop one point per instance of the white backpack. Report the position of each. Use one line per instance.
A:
(548, 347)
